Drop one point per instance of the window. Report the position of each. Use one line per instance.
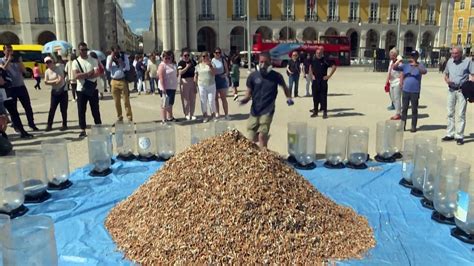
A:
(288, 7)
(430, 13)
(354, 10)
(239, 8)
(332, 7)
(412, 14)
(471, 22)
(462, 4)
(206, 8)
(311, 7)
(460, 23)
(393, 12)
(472, 4)
(264, 7)
(374, 9)
(43, 9)
(4, 9)
(458, 41)
(468, 39)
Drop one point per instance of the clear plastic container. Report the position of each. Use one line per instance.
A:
(104, 130)
(146, 141)
(31, 241)
(399, 126)
(386, 141)
(425, 163)
(358, 145)
(125, 140)
(295, 131)
(165, 135)
(222, 126)
(57, 162)
(200, 132)
(408, 159)
(336, 145)
(12, 195)
(33, 174)
(464, 215)
(306, 146)
(447, 184)
(432, 167)
(99, 155)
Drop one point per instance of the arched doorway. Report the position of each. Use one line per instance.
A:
(331, 32)
(206, 39)
(237, 39)
(287, 33)
(410, 42)
(354, 41)
(426, 43)
(45, 37)
(310, 34)
(390, 40)
(266, 32)
(372, 40)
(9, 37)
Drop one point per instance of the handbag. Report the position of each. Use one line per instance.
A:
(467, 89)
(387, 87)
(88, 87)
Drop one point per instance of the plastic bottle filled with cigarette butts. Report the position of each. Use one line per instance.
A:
(336, 146)
(446, 188)
(99, 155)
(12, 195)
(431, 171)
(357, 147)
(294, 131)
(33, 174)
(386, 142)
(407, 163)
(57, 163)
(422, 146)
(107, 131)
(29, 240)
(464, 214)
(125, 140)
(305, 153)
(146, 141)
(166, 141)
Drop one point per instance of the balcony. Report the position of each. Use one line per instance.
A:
(412, 22)
(238, 17)
(45, 20)
(430, 22)
(333, 19)
(392, 21)
(264, 17)
(353, 19)
(374, 20)
(287, 17)
(206, 17)
(7, 21)
(311, 18)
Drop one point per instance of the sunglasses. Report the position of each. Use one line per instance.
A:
(217, 52)
(186, 55)
(204, 56)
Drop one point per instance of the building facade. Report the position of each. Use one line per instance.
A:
(463, 24)
(205, 24)
(99, 23)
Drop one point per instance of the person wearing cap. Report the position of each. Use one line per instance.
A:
(458, 70)
(54, 76)
(412, 73)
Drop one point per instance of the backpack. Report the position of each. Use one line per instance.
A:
(131, 75)
(5, 146)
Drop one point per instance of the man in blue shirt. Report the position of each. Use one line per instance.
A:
(117, 64)
(412, 72)
(262, 88)
(457, 72)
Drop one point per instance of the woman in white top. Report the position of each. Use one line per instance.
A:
(395, 79)
(222, 85)
(204, 77)
(54, 76)
(167, 83)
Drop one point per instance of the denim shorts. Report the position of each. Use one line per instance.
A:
(168, 98)
(221, 82)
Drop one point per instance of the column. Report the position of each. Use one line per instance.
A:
(59, 20)
(382, 38)
(165, 27)
(74, 28)
(26, 22)
(362, 43)
(223, 33)
(87, 23)
(177, 26)
(192, 29)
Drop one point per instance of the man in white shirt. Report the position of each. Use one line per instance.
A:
(86, 70)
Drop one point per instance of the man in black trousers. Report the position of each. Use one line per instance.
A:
(17, 91)
(319, 88)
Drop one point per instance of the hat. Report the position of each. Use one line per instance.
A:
(414, 53)
(48, 58)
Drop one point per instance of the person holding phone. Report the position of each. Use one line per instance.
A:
(186, 69)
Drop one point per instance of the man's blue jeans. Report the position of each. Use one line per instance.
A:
(294, 79)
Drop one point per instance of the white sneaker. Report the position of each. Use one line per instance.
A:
(205, 120)
(188, 117)
(193, 118)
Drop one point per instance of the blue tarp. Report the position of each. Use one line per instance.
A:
(404, 232)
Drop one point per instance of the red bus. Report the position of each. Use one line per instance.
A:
(336, 48)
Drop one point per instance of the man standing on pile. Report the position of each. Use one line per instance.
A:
(319, 69)
(262, 88)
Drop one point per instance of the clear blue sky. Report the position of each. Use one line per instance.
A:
(137, 14)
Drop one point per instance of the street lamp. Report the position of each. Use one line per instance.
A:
(249, 48)
(288, 12)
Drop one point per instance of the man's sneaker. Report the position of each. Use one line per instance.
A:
(314, 114)
(325, 115)
(83, 134)
(48, 128)
(26, 135)
(188, 117)
(205, 120)
(413, 130)
(34, 128)
(391, 107)
(63, 128)
(447, 138)
(193, 118)
(460, 141)
(311, 111)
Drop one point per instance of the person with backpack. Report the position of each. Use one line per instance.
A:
(221, 74)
